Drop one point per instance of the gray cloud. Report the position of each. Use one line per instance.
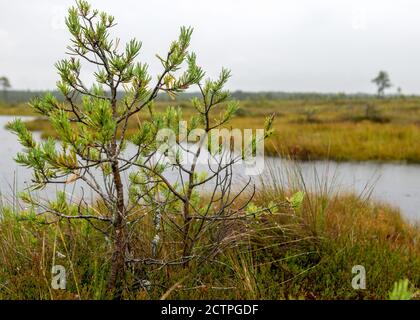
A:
(289, 45)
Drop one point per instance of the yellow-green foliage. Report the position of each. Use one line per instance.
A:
(18, 109)
(347, 141)
(384, 130)
(369, 129)
(294, 253)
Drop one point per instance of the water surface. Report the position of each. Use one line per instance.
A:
(396, 184)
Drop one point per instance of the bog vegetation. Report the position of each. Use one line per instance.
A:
(305, 250)
(154, 238)
(342, 129)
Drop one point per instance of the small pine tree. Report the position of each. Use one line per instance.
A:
(92, 127)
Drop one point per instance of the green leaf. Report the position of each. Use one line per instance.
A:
(401, 291)
(296, 199)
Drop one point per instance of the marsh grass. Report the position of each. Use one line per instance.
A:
(303, 252)
(335, 129)
(294, 253)
(15, 109)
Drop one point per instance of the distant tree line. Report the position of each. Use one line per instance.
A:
(20, 96)
(382, 81)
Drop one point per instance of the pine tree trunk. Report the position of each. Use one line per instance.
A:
(187, 220)
(115, 280)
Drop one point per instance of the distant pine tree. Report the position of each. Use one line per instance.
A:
(5, 85)
(382, 82)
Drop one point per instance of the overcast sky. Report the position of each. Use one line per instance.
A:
(290, 45)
